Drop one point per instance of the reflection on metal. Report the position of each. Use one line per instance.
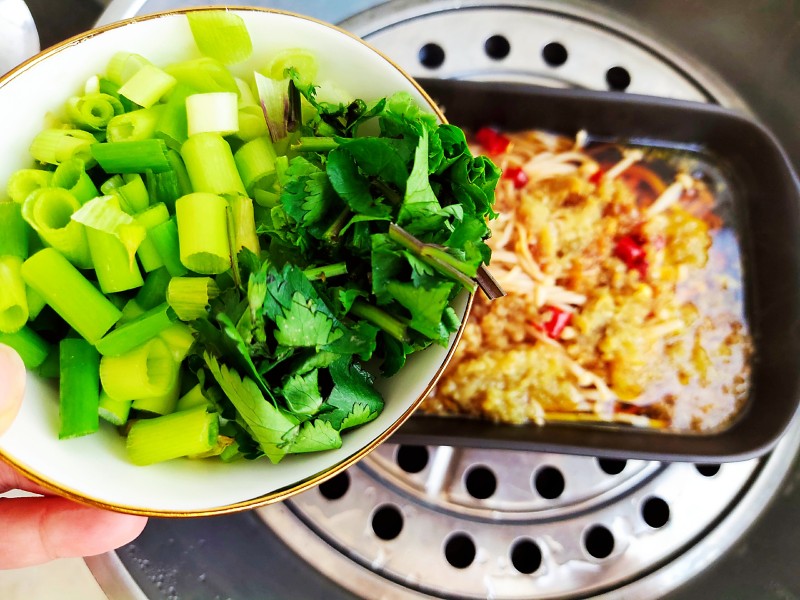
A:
(19, 39)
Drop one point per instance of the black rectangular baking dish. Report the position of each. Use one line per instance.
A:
(767, 206)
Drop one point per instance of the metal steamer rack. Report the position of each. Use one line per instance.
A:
(413, 522)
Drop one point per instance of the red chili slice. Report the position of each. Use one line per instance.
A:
(517, 176)
(631, 252)
(491, 140)
(559, 319)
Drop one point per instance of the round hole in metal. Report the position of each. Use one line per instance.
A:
(459, 550)
(655, 512)
(612, 466)
(412, 459)
(431, 55)
(549, 483)
(526, 556)
(335, 487)
(618, 79)
(707, 470)
(554, 54)
(480, 482)
(599, 542)
(387, 522)
(497, 47)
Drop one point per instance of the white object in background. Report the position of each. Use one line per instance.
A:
(19, 39)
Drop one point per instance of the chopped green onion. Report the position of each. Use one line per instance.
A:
(115, 412)
(165, 240)
(178, 166)
(123, 66)
(130, 190)
(274, 97)
(212, 112)
(13, 300)
(71, 175)
(150, 218)
(79, 388)
(184, 433)
(70, 294)
(93, 111)
(134, 126)
(172, 125)
(301, 60)
(131, 157)
(115, 270)
(130, 311)
(162, 404)
(210, 164)
(265, 198)
(189, 296)
(146, 371)
(203, 233)
(178, 337)
(31, 348)
(23, 182)
(251, 123)
(255, 162)
(104, 214)
(244, 225)
(221, 34)
(49, 212)
(203, 74)
(246, 96)
(35, 303)
(137, 331)
(14, 236)
(154, 290)
(147, 86)
(54, 146)
(192, 399)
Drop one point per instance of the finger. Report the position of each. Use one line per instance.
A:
(11, 479)
(37, 530)
(12, 386)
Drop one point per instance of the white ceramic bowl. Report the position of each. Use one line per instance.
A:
(94, 468)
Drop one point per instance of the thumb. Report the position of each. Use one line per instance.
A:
(12, 386)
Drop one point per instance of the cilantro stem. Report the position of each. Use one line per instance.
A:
(326, 271)
(447, 265)
(391, 325)
(333, 231)
(315, 144)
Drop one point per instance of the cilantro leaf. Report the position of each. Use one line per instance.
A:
(315, 436)
(301, 393)
(425, 305)
(352, 387)
(351, 186)
(265, 422)
(420, 211)
(303, 324)
(308, 196)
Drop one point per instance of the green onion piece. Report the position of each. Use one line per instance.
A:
(150, 218)
(71, 175)
(163, 187)
(251, 123)
(299, 59)
(147, 86)
(146, 371)
(130, 311)
(104, 214)
(255, 162)
(189, 296)
(130, 190)
(244, 225)
(265, 198)
(210, 164)
(70, 294)
(203, 233)
(115, 412)
(192, 431)
(391, 325)
(13, 231)
(93, 111)
(203, 74)
(326, 272)
(274, 98)
(221, 34)
(162, 404)
(13, 300)
(49, 212)
(154, 290)
(192, 399)
(51, 367)
(212, 112)
(123, 66)
(32, 349)
(172, 124)
(54, 146)
(245, 92)
(134, 126)
(79, 388)
(131, 157)
(178, 337)
(165, 240)
(35, 303)
(178, 166)
(116, 272)
(136, 332)
(23, 182)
